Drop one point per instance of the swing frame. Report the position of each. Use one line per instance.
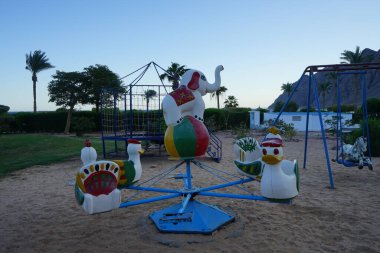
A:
(312, 84)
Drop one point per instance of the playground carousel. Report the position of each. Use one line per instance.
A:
(98, 183)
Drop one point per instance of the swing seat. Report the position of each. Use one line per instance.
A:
(348, 163)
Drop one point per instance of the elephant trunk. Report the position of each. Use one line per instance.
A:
(212, 87)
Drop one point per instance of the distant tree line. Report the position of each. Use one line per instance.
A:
(68, 89)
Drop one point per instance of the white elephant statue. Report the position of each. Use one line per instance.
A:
(187, 100)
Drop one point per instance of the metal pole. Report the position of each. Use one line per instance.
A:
(152, 189)
(233, 196)
(185, 201)
(115, 119)
(188, 174)
(102, 123)
(289, 98)
(125, 121)
(338, 131)
(241, 181)
(365, 115)
(307, 121)
(130, 112)
(323, 134)
(143, 201)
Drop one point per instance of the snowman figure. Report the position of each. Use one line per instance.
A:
(279, 177)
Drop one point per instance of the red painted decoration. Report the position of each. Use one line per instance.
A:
(194, 82)
(202, 137)
(101, 182)
(182, 95)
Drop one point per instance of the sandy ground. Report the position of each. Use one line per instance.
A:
(38, 211)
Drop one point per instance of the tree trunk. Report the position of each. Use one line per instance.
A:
(175, 85)
(97, 105)
(34, 79)
(68, 120)
(217, 99)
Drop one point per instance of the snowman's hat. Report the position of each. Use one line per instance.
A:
(133, 141)
(87, 143)
(272, 139)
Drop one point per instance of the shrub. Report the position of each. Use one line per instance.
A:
(5, 119)
(311, 109)
(4, 109)
(373, 108)
(241, 131)
(81, 125)
(286, 130)
(331, 124)
(291, 107)
(343, 108)
(230, 118)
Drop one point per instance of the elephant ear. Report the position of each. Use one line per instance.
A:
(194, 82)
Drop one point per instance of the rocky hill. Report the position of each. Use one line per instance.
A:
(348, 96)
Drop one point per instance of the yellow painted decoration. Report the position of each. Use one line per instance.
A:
(242, 155)
(122, 171)
(82, 175)
(102, 166)
(92, 168)
(169, 142)
(78, 181)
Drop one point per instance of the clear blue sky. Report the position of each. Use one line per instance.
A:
(261, 44)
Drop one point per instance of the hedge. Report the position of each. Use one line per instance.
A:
(54, 122)
(48, 121)
(223, 119)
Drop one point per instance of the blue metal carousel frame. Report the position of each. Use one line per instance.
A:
(191, 216)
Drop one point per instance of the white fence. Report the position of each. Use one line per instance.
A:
(298, 119)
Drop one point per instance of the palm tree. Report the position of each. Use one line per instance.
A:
(324, 88)
(35, 63)
(217, 93)
(354, 57)
(175, 71)
(231, 102)
(148, 94)
(287, 87)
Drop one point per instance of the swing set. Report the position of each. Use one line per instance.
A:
(340, 69)
(340, 158)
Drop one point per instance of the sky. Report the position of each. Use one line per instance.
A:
(261, 44)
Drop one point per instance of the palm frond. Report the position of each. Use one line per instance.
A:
(37, 61)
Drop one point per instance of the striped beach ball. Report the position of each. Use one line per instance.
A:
(188, 139)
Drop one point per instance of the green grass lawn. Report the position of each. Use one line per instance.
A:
(19, 151)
